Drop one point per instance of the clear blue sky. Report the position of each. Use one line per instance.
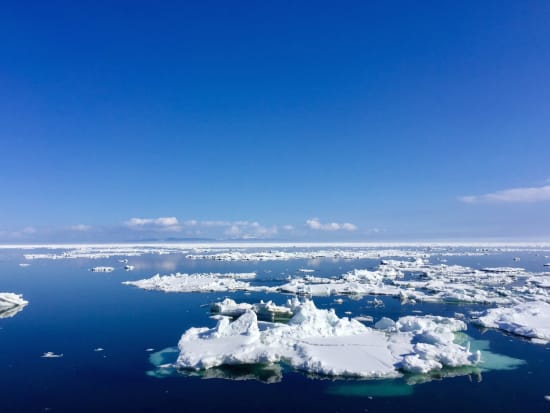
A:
(405, 120)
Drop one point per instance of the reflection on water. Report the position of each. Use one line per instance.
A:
(10, 312)
(164, 361)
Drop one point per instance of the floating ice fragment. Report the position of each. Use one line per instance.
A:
(98, 349)
(531, 320)
(364, 318)
(200, 282)
(51, 355)
(102, 269)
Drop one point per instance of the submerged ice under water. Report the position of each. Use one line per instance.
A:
(74, 312)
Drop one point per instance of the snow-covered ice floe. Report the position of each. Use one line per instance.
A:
(11, 304)
(530, 320)
(200, 282)
(318, 341)
(418, 280)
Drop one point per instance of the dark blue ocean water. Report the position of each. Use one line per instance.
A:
(74, 311)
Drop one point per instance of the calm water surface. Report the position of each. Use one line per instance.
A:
(74, 311)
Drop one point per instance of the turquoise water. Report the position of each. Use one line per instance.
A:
(73, 311)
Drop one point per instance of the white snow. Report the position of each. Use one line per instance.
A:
(318, 341)
(199, 282)
(531, 320)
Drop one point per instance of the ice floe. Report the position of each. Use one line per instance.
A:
(318, 341)
(102, 269)
(11, 304)
(411, 281)
(51, 355)
(530, 320)
(199, 282)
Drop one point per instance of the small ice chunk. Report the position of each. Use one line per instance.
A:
(102, 269)
(51, 355)
(364, 318)
(98, 349)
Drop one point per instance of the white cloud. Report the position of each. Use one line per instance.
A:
(288, 227)
(232, 229)
(161, 223)
(80, 227)
(525, 195)
(249, 230)
(22, 233)
(315, 224)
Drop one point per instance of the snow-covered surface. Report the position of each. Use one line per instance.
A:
(318, 341)
(531, 320)
(264, 310)
(11, 304)
(200, 282)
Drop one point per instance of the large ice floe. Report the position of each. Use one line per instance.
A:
(200, 282)
(530, 320)
(318, 341)
(11, 304)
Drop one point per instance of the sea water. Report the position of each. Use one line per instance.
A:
(108, 332)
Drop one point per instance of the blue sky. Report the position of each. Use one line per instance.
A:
(281, 120)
